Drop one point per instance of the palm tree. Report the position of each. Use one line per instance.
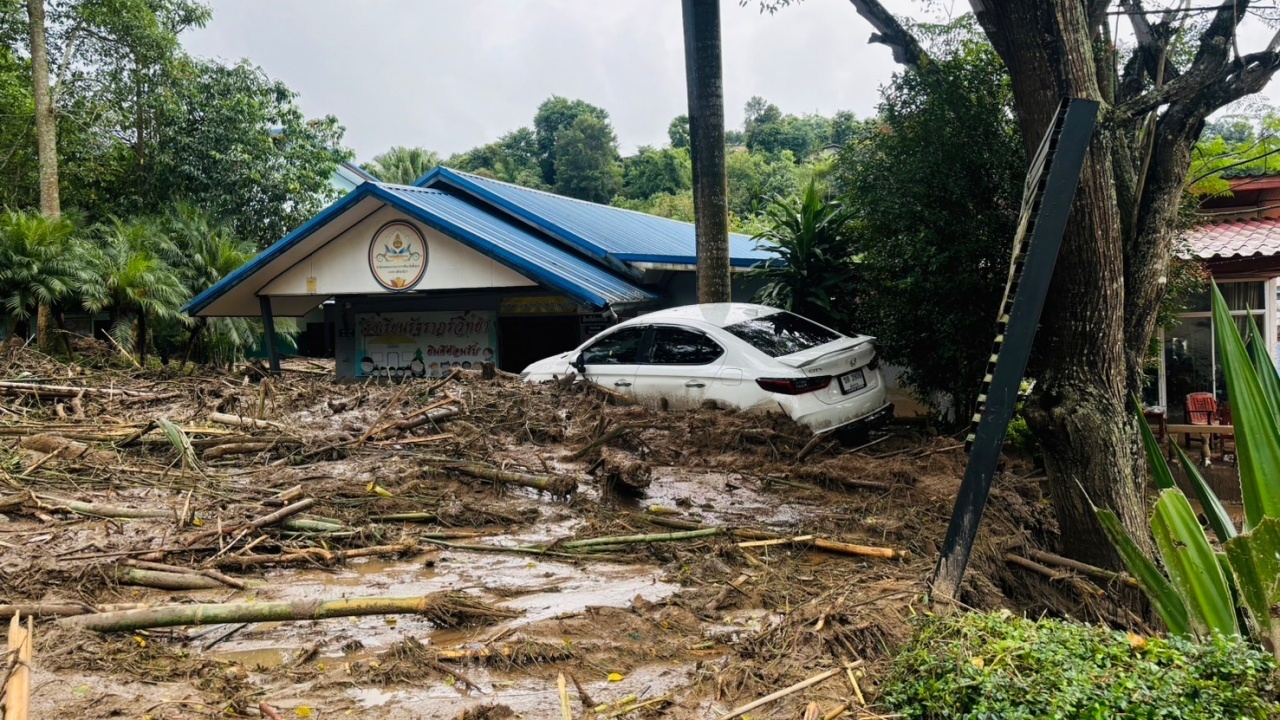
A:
(402, 165)
(816, 273)
(36, 266)
(202, 253)
(706, 128)
(125, 274)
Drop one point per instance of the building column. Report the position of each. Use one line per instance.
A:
(269, 332)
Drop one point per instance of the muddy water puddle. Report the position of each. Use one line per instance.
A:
(538, 587)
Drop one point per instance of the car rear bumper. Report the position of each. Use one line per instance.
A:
(877, 419)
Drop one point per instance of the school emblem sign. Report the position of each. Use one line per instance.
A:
(398, 256)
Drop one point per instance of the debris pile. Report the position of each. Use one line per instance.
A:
(494, 534)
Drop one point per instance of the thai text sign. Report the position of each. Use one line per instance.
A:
(424, 344)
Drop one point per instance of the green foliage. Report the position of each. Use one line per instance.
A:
(652, 172)
(676, 207)
(937, 190)
(402, 165)
(678, 132)
(984, 666)
(586, 160)
(756, 179)
(1204, 589)
(124, 273)
(817, 275)
(37, 262)
(237, 144)
(555, 115)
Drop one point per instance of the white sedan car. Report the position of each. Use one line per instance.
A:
(745, 356)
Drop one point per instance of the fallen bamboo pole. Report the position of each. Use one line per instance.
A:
(18, 388)
(556, 485)
(311, 555)
(1090, 570)
(206, 572)
(637, 539)
(444, 609)
(241, 421)
(834, 546)
(165, 580)
(105, 511)
(744, 709)
(45, 610)
(264, 521)
(1085, 588)
(247, 448)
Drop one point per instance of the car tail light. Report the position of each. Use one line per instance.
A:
(875, 361)
(793, 386)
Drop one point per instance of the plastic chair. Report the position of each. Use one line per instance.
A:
(1202, 408)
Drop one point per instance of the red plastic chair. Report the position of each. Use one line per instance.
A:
(1202, 408)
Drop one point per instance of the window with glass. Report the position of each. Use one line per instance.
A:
(617, 348)
(677, 346)
(1191, 362)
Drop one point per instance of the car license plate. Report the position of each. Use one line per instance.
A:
(852, 382)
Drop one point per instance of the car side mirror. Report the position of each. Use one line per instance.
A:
(579, 365)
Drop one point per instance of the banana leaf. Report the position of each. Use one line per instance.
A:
(1264, 367)
(1193, 567)
(1155, 456)
(1219, 520)
(1168, 605)
(1255, 558)
(1256, 431)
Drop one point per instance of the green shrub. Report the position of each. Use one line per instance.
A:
(989, 666)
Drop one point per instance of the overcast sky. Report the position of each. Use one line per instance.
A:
(452, 74)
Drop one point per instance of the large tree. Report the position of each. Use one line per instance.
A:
(402, 165)
(1111, 273)
(554, 115)
(586, 160)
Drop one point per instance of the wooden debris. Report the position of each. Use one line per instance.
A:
(17, 696)
(445, 609)
(744, 709)
(241, 421)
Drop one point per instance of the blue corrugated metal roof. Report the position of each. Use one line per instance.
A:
(600, 231)
(508, 244)
(533, 257)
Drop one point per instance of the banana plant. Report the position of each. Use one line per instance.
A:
(1202, 591)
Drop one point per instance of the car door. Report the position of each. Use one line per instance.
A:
(681, 367)
(611, 361)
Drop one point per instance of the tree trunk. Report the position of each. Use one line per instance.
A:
(46, 147)
(706, 132)
(1080, 409)
(140, 338)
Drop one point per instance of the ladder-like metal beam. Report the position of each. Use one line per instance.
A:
(1046, 205)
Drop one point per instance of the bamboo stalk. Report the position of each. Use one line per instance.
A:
(635, 539)
(1080, 585)
(45, 609)
(165, 580)
(743, 709)
(312, 555)
(264, 521)
(18, 388)
(247, 448)
(106, 511)
(834, 546)
(566, 710)
(444, 609)
(209, 573)
(406, 517)
(557, 485)
(1090, 570)
(241, 421)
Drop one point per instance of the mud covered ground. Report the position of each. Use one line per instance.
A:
(712, 592)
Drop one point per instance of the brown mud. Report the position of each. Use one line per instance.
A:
(410, 500)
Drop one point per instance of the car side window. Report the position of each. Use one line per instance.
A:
(677, 346)
(618, 348)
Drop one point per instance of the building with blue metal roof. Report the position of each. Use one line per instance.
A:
(457, 270)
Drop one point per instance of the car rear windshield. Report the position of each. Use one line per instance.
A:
(782, 334)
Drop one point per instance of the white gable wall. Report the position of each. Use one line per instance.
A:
(341, 267)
